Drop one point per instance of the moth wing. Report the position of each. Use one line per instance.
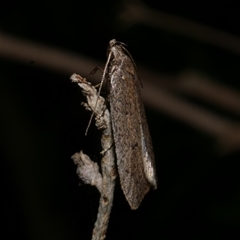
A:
(135, 158)
(147, 152)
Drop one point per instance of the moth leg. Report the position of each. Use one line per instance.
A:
(97, 85)
(80, 79)
(105, 150)
(98, 68)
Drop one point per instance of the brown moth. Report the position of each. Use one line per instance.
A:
(132, 141)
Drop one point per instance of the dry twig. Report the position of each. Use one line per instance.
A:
(87, 170)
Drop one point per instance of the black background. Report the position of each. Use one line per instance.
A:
(43, 125)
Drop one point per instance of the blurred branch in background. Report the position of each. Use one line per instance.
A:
(138, 12)
(43, 56)
(226, 131)
(159, 92)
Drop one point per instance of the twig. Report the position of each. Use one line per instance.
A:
(87, 170)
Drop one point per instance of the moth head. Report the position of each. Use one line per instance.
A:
(115, 44)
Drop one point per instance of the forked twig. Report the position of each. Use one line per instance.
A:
(88, 170)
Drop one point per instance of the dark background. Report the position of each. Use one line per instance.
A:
(42, 122)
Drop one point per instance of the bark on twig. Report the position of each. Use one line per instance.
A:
(87, 170)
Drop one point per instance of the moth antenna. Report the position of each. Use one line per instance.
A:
(134, 64)
(99, 90)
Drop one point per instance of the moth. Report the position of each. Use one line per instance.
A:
(132, 140)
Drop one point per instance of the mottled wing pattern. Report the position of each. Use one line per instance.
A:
(132, 141)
